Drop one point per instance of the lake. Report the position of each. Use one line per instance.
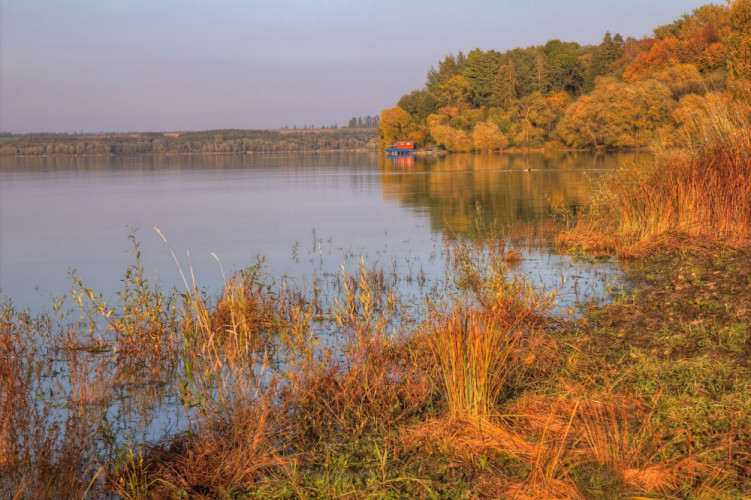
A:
(301, 213)
(306, 216)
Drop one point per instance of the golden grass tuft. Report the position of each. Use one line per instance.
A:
(472, 350)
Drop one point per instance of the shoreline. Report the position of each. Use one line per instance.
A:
(328, 151)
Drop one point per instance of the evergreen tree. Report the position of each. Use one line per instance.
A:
(480, 70)
(449, 67)
(610, 50)
(505, 86)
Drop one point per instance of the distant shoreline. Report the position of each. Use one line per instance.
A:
(185, 143)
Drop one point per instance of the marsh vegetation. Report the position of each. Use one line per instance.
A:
(475, 383)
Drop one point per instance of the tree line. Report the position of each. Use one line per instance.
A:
(212, 141)
(364, 122)
(621, 93)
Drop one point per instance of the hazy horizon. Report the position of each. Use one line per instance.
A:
(164, 66)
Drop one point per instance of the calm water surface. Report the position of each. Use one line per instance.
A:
(303, 213)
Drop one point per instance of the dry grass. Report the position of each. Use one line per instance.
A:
(227, 454)
(554, 439)
(473, 392)
(694, 199)
(43, 454)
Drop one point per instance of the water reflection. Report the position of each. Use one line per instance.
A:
(508, 188)
(59, 213)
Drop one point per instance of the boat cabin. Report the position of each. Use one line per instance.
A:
(402, 147)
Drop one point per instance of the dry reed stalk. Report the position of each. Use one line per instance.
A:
(12, 390)
(532, 234)
(512, 256)
(90, 380)
(468, 437)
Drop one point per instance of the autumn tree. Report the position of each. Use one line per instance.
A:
(617, 114)
(419, 104)
(397, 125)
(739, 39)
(681, 79)
(451, 138)
(488, 137)
(467, 119)
(456, 92)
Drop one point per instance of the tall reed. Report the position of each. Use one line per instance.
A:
(474, 340)
(695, 197)
(472, 350)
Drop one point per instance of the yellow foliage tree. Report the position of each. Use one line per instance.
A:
(451, 138)
(397, 125)
(488, 137)
(617, 114)
(456, 92)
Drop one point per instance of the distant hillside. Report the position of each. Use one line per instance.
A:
(622, 93)
(211, 141)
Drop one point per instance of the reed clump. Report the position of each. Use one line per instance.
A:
(47, 449)
(474, 352)
(223, 456)
(694, 198)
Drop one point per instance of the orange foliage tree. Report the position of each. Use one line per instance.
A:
(397, 125)
(617, 114)
(739, 40)
(488, 137)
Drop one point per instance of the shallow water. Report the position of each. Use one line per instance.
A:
(310, 217)
(303, 213)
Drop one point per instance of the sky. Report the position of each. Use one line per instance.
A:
(178, 65)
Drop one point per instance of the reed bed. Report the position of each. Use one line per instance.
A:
(694, 198)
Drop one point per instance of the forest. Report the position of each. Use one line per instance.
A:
(211, 141)
(622, 93)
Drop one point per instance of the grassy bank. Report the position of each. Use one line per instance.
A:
(476, 392)
(697, 197)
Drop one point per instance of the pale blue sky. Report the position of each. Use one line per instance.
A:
(167, 65)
